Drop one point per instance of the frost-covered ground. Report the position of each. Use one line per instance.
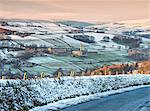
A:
(25, 95)
(57, 35)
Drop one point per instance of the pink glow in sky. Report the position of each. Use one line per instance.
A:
(83, 10)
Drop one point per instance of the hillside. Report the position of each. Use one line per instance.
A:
(30, 42)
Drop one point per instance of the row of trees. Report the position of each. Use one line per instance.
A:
(104, 70)
(129, 41)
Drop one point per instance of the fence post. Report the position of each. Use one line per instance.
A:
(100, 73)
(59, 75)
(123, 72)
(20, 76)
(105, 73)
(116, 72)
(109, 72)
(3, 77)
(25, 76)
(72, 73)
(83, 73)
(42, 75)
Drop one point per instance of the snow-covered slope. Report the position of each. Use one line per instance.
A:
(24, 95)
(3, 55)
(143, 23)
(122, 26)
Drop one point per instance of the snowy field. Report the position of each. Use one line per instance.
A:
(25, 95)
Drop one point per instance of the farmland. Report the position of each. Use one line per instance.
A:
(41, 46)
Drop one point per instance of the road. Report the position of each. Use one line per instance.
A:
(135, 100)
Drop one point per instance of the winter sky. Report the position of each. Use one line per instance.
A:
(84, 10)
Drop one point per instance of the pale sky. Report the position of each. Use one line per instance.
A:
(83, 10)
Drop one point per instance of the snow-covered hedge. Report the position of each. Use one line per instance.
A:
(26, 94)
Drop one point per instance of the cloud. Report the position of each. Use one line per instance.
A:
(89, 10)
(21, 6)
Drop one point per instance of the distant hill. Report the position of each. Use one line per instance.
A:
(75, 23)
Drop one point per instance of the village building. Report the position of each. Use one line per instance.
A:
(80, 52)
(59, 51)
(139, 54)
(36, 50)
(75, 31)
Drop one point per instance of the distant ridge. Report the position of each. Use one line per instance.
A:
(136, 21)
(25, 20)
(75, 23)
